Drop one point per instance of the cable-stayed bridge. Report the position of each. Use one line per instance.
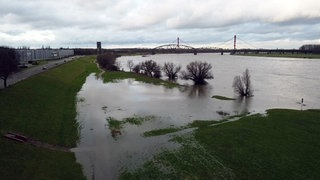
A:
(234, 45)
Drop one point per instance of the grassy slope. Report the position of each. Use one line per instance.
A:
(283, 145)
(43, 107)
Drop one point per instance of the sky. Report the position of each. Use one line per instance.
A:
(150, 23)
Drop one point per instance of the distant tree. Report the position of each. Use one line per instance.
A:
(242, 84)
(157, 72)
(151, 68)
(80, 51)
(107, 61)
(137, 68)
(171, 70)
(130, 65)
(198, 72)
(8, 63)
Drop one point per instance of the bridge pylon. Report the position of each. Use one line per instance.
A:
(178, 42)
(234, 42)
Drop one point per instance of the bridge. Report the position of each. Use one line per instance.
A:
(177, 47)
(230, 46)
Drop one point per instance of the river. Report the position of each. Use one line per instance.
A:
(104, 151)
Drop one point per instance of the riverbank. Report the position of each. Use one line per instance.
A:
(284, 55)
(43, 107)
(280, 145)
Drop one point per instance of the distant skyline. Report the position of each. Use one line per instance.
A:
(149, 23)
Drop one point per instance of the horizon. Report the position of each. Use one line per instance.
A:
(133, 23)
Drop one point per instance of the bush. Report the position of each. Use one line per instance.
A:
(107, 62)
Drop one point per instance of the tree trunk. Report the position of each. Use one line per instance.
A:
(4, 82)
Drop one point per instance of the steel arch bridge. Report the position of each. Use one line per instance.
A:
(175, 48)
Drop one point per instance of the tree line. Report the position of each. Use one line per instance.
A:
(197, 71)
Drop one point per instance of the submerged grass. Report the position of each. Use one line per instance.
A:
(114, 123)
(134, 120)
(190, 161)
(282, 145)
(194, 124)
(138, 120)
(111, 76)
(158, 132)
(43, 107)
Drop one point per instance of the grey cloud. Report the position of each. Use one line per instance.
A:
(151, 21)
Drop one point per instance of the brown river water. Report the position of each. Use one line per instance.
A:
(104, 152)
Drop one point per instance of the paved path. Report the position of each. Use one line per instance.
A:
(24, 74)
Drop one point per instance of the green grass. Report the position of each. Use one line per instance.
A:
(19, 161)
(112, 76)
(43, 107)
(222, 97)
(158, 132)
(282, 145)
(284, 55)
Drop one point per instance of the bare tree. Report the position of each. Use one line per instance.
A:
(242, 84)
(151, 68)
(8, 63)
(130, 65)
(198, 72)
(171, 70)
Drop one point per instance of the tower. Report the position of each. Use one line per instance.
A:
(98, 48)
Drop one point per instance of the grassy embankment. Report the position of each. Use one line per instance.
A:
(285, 55)
(282, 145)
(43, 108)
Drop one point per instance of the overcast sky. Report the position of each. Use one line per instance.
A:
(149, 23)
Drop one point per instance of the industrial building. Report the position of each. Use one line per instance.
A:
(26, 55)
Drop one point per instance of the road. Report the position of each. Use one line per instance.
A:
(24, 74)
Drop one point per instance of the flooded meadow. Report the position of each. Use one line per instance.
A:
(115, 116)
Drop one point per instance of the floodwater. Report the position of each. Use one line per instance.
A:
(104, 151)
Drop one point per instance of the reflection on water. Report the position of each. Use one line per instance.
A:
(242, 104)
(197, 91)
(113, 116)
